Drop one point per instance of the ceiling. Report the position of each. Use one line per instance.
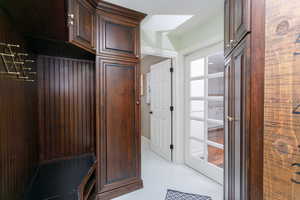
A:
(172, 7)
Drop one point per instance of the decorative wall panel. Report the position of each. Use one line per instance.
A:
(282, 100)
(66, 107)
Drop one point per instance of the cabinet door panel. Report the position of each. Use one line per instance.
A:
(228, 129)
(119, 135)
(118, 38)
(83, 24)
(237, 109)
(227, 26)
(241, 19)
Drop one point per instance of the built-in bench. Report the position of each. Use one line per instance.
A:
(68, 179)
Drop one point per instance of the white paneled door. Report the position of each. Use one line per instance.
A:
(204, 127)
(161, 91)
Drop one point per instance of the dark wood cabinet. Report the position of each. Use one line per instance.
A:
(227, 26)
(241, 20)
(244, 39)
(236, 21)
(119, 135)
(237, 82)
(92, 106)
(118, 37)
(82, 24)
(71, 21)
(118, 101)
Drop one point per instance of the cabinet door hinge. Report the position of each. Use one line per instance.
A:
(172, 146)
(171, 108)
(172, 69)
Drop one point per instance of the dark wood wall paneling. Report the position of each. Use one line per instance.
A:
(66, 107)
(18, 126)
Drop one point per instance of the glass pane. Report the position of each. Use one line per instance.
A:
(216, 110)
(197, 88)
(197, 129)
(197, 149)
(197, 109)
(216, 63)
(197, 67)
(215, 133)
(216, 86)
(215, 156)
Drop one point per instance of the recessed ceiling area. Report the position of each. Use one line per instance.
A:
(172, 7)
(164, 22)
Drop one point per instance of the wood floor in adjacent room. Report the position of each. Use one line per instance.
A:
(160, 175)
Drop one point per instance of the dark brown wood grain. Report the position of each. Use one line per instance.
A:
(66, 108)
(237, 22)
(245, 99)
(117, 37)
(18, 124)
(83, 28)
(119, 135)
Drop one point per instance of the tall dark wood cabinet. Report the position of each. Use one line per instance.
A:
(108, 34)
(118, 101)
(244, 99)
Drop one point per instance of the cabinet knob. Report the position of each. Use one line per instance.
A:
(71, 16)
(137, 102)
(230, 118)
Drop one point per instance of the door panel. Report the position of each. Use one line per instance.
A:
(118, 38)
(119, 143)
(237, 107)
(83, 27)
(227, 126)
(241, 19)
(227, 26)
(160, 83)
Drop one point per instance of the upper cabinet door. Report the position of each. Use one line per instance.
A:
(119, 38)
(82, 23)
(241, 20)
(237, 22)
(227, 26)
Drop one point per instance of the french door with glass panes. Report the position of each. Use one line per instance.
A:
(204, 142)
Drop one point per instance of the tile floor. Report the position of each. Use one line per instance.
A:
(160, 175)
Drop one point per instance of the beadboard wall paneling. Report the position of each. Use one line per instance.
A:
(66, 107)
(18, 125)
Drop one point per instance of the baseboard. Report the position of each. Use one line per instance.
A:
(145, 143)
(120, 191)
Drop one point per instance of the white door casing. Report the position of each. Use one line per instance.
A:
(160, 87)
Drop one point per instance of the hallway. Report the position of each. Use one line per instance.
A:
(160, 175)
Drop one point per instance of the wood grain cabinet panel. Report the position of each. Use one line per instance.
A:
(241, 20)
(82, 23)
(227, 26)
(118, 38)
(237, 22)
(119, 134)
(237, 122)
